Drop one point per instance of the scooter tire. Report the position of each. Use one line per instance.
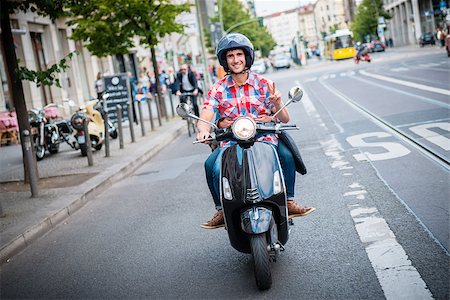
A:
(98, 147)
(83, 149)
(114, 134)
(53, 149)
(261, 260)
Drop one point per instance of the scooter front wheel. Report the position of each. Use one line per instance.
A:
(263, 275)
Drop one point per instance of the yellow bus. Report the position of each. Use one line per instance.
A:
(339, 45)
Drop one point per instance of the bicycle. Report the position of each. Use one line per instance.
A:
(186, 97)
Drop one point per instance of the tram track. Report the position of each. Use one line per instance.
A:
(424, 149)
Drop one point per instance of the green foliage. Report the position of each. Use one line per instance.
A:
(53, 9)
(334, 28)
(48, 77)
(50, 8)
(109, 26)
(366, 18)
(234, 13)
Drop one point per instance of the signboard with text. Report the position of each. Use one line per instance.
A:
(118, 88)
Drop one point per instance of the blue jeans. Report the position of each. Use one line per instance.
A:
(212, 170)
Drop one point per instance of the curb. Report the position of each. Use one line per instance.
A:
(38, 230)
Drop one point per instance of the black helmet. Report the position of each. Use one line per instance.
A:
(235, 41)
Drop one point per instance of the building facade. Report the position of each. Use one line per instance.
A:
(40, 43)
(411, 18)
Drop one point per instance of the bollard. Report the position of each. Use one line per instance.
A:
(158, 112)
(152, 126)
(141, 117)
(119, 124)
(171, 103)
(29, 158)
(105, 120)
(88, 142)
(164, 106)
(131, 124)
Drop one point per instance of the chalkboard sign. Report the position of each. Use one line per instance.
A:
(118, 88)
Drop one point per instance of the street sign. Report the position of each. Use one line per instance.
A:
(118, 88)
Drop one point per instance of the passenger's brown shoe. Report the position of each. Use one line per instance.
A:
(217, 221)
(295, 210)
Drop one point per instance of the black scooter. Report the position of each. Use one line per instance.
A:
(252, 189)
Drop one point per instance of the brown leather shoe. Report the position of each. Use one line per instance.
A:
(217, 221)
(295, 210)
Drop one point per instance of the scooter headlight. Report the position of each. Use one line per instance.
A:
(244, 128)
(77, 121)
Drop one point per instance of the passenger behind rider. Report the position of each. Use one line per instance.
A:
(243, 93)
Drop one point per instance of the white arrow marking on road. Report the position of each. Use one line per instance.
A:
(407, 83)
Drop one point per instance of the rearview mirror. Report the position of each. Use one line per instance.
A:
(295, 93)
(183, 110)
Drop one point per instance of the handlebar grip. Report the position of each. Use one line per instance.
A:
(201, 141)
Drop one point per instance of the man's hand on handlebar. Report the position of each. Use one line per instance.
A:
(264, 119)
(225, 122)
(203, 135)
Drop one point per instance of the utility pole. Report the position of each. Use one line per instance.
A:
(208, 80)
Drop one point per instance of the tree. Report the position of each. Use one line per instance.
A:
(109, 27)
(366, 18)
(52, 9)
(233, 13)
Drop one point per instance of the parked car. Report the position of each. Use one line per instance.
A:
(377, 46)
(259, 66)
(427, 38)
(281, 61)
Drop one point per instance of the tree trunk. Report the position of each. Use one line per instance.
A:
(15, 84)
(161, 101)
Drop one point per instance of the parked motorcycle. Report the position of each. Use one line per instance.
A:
(44, 131)
(67, 133)
(252, 189)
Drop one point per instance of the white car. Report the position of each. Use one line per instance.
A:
(281, 61)
(259, 67)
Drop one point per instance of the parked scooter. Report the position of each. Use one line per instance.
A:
(252, 189)
(96, 126)
(44, 132)
(112, 129)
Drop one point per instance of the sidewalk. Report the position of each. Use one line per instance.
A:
(67, 182)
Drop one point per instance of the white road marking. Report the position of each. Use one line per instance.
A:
(398, 278)
(408, 83)
(401, 69)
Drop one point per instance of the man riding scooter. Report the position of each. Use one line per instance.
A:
(243, 93)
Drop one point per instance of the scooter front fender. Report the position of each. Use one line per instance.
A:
(256, 220)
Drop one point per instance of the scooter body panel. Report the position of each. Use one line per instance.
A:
(250, 173)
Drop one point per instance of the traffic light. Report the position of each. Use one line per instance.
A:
(260, 22)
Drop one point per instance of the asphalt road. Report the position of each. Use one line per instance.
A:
(372, 237)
